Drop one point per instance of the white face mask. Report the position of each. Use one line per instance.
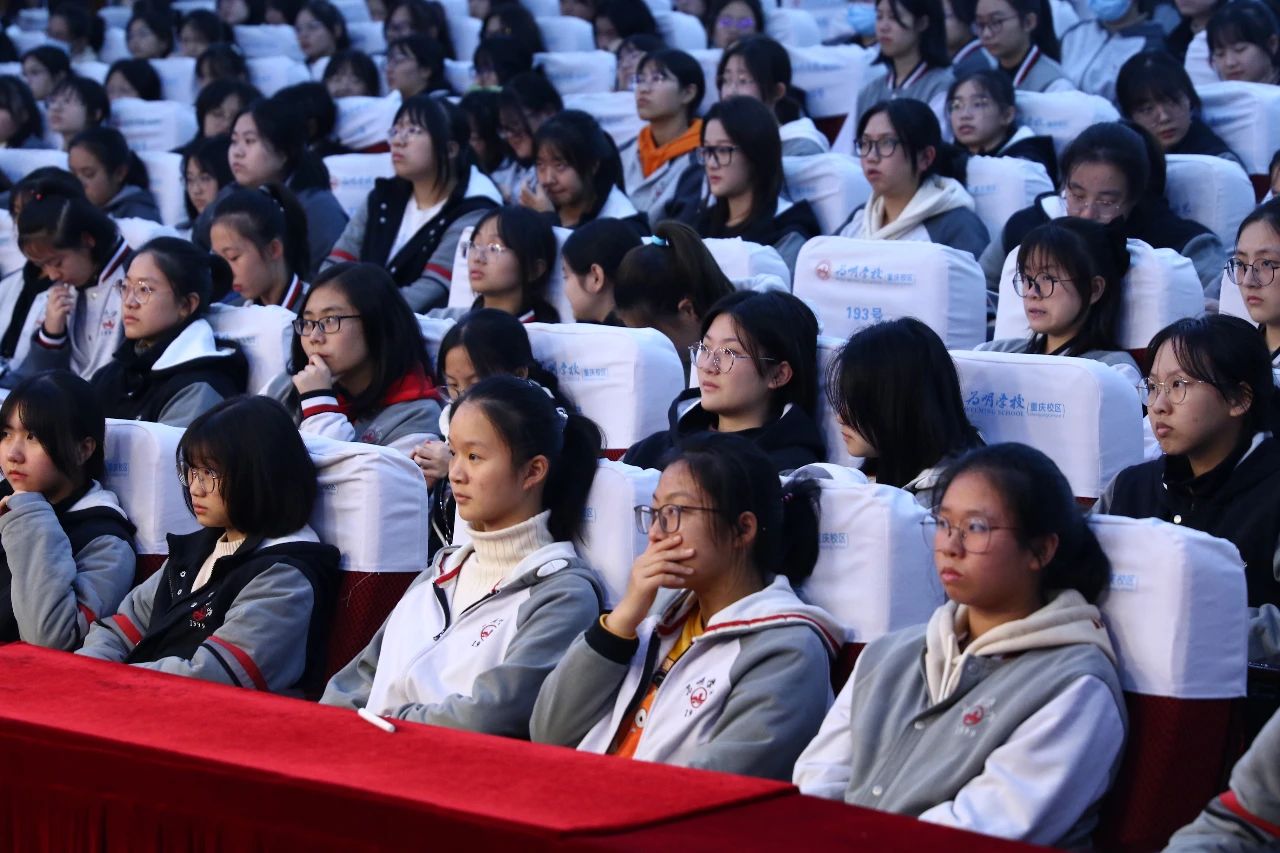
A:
(1110, 10)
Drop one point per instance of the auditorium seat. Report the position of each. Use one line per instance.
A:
(681, 31)
(460, 74)
(265, 332)
(433, 330)
(17, 162)
(353, 11)
(465, 34)
(177, 78)
(828, 349)
(1176, 611)
(792, 27)
(257, 41)
(164, 173)
(851, 283)
(615, 111)
(833, 184)
(709, 59)
(1210, 190)
(1001, 186)
(1247, 117)
(115, 16)
(461, 295)
(610, 539)
(272, 73)
(363, 121)
(114, 45)
(580, 71)
(24, 39)
(93, 70)
(742, 262)
(351, 176)
(11, 261)
(367, 36)
(831, 77)
(565, 33)
(153, 125)
(1063, 115)
(1082, 414)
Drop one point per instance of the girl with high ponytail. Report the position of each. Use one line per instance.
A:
(170, 369)
(726, 542)
(471, 641)
(262, 234)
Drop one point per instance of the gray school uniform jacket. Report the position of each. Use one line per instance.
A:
(1247, 815)
(57, 585)
(133, 203)
(1095, 54)
(923, 83)
(746, 697)
(662, 195)
(1039, 73)
(479, 669)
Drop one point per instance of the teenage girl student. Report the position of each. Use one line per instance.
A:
(1253, 269)
(200, 28)
(21, 125)
(415, 66)
(670, 284)
(963, 45)
(726, 542)
(616, 20)
(741, 153)
(218, 104)
(352, 73)
(1155, 92)
(132, 78)
(114, 178)
(262, 235)
(322, 31)
(221, 61)
(895, 391)
(77, 29)
(205, 171)
(488, 150)
(983, 114)
(411, 223)
(418, 17)
(359, 369)
(149, 33)
(669, 89)
(1019, 646)
(78, 248)
(589, 260)
(917, 182)
(525, 103)
(1070, 277)
(170, 369)
(509, 262)
(1094, 49)
(514, 21)
(758, 67)
(245, 601)
(630, 51)
(497, 59)
(66, 547)
(521, 471)
(1244, 42)
(579, 174)
(1019, 36)
(76, 104)
(757, 376)
(43, 68)
(913, 53)
(1210, 398)
(728, 21)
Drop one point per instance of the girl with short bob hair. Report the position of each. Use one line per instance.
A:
(521, 472)
(524, 104)
(149, 33)
(65, 543)
(113, 177)
(78, 28)
(262, 235)
(580, 174)
(359, 369)
(917, 181)
(758, 67)
(221, 61)
(170, 368)
(43, 68)
(983, 112)
(509, 258)
(77, 104)
(322, 30)
(415, 66)
(488, 149)
(913, 50)
(1021, 633)
(757, 375)
(218, 104)
(589, 261)
(1019, 35)
(1244, 42)
(351, 73)
(25, 125)
(1154, 91)
(895, 391)
(722, 576)
(246, 600)
(514, 21)
(411, 223)
(205, 171)
(133, 78)
(419, 17)
(200, 29)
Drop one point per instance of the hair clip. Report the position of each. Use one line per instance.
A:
(656, 241)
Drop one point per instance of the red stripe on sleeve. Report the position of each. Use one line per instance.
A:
(1233, 805)
(89, 616)
(244, 660)
(443, 272)
(342, 256)
(130, 630)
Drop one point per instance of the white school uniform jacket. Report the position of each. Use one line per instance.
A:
(801, 138)
(746, 697)
(480, 669)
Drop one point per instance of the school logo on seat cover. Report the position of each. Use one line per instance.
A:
(823, 270)
(697, 693)
(486, 631)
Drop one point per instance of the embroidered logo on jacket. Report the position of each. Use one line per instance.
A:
(487, 631)
(199, 615)
(975, 715)
(697, 693)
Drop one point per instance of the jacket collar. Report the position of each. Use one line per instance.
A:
(775, 606)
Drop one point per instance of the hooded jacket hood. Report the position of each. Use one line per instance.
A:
(936, 195)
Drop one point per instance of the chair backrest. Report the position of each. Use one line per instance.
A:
(611, 541)
(1161, 286)
(462, 296)
(1080, 413)
(115, 16)
(433, 331)
(828, 349)
(164, 173)
(372, 506)
(1063, 115)
(853, 283)
(623, 379)
(564, 33)
(1231, 301)
(24, 39)
(741, 260)
(1001, 186)
(464, 31)
(833, 184)
(1178, 617)
(265, 332)
(615, 111)
(367, 36)
(272, 73)
(17, 162)
(11, 258)
(1247, 117)
(153, 125)
(261, 40)
(363, 121)
(114, 45)
(681, 31)
(580, 71)
(831, 77)
(460, 74)
(137, 232)
(353, 11)
(709, 59)
(351, 177)
(177, 78)
(1197, 61)
(1210, 190)
(792, 27)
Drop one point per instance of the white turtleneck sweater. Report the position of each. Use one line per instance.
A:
(496, 553)
(224, 547)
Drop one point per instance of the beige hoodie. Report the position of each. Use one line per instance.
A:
(935, 195)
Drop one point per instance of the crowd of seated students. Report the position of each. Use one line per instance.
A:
(497, 207)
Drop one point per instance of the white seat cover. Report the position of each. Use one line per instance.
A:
(265, 332)
(1161, 286)
(1063, 115)
(272, 73)
(1210, 190)
(741, 260)
(462, 296)
(611, 540)
(141, 462)
(1176, 608)
(1231, 302)
(177, 78)
(1197, 61)
(115, 16)
(96, 71)
(153, 125)
(853, 283)
(24, 40)
(1001, 186)
(164, 172)
(829, 15)
(1247, 117)
(1080, 413)
(681, 31)
(875, 573)
(792, 27)
(1064, 16)
(137, 232)
(114, 45)
(351, 176)
(542, 8)
(615, 111)
(11, 258)
(565, 33)
(17, 162)
(709, 59)
(465, 34)
(833, 184)
(372, 505)
(353, 11)
(831, 77)
(364, 121)
(433, 331)
(828, 349)
(367, 36)
(623, 379)
(459, 74)
(262, 40)
(580, 71)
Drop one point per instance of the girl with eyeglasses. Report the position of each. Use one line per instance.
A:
(913, 54)
(983, 114)
(741, 153)
(170, 368)
(524, 104)
(580, 175)
(472, 639)
(66, 546)
(1154, 91)
(1019, 35)
(1017, 665)
(351, 73)
(917, 182)
(205, 172)
(262, 235)
(1253, 269)
(1211, 402)
(359, 370)
(415, 66)
(728, 21)
(710, 659)
(410, 224)
(113, 177)
(76, 104)
(245, 601)
(758, 67)
(509, 263)
(1094, 50)
(757, 376)
(1070, 277)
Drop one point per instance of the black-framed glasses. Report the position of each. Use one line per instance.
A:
(1041, 284)
(667, 516)
(721, 359)
(1175, 391)
(882, 147)
(206, 477)
(720, 155)
(329, 325)
(1264, 272)
(991, 25)
(975, 533)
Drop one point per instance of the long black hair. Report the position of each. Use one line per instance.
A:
(656, 277)
(576, 138)
(431, 115)
(754, 131)
(770, 66)
(61, 410)
(933, 40)
(62, 222)
(1249, 21)
(917, 128)
(497, 344)
(140, 75)
(269, 213)
(189, 269)
(210, 154)
(17, 100)
(283, 126)
(529, 237)
(109, 147)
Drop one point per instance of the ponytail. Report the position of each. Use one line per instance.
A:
(531, 424)
(109, 147)
(269, 213)
(675, 266)
(497, 344)
(190, 269)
